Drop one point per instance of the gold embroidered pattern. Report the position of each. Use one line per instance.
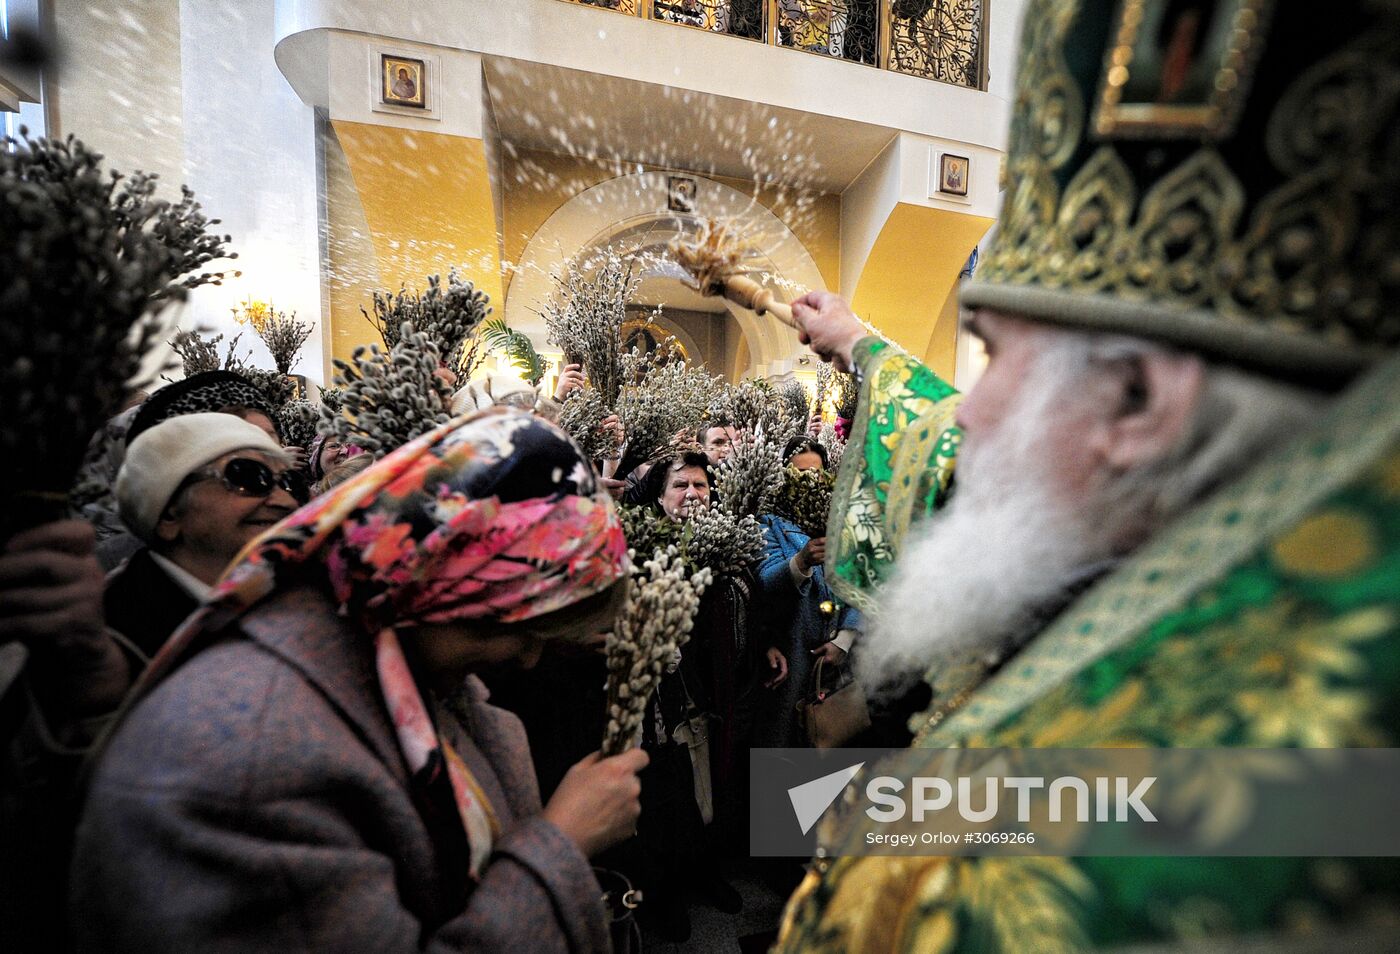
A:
(1157, 99)
(1316, 256)
(1163, 577)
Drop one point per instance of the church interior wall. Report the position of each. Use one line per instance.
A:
(189, 90)
(478, 207)
(124, 95)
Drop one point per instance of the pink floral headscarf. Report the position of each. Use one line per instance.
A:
(494, 516)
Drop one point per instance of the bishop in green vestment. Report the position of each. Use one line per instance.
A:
(1168, 515)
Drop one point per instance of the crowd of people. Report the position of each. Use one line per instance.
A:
(258, 682)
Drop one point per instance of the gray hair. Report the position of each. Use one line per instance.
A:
(1240, 417)
(1022, 543)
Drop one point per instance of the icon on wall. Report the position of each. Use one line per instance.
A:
(953, 174)
(403, 81)
(680, 193)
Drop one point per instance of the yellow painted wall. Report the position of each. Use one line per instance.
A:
(908, 288)
(351, 271)
(404, 204)
(817, 224)
(537, 184)
(425, 203)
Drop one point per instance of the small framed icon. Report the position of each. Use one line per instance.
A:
(680, 193)
(403, 81)
(953, 173)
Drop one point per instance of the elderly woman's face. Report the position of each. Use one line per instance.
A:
(211, 518)
(687, 488)
(332, 452)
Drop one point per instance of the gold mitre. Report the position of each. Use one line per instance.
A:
(1222, 175)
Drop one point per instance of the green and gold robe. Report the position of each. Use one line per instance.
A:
(898, 467)
(1269, 616)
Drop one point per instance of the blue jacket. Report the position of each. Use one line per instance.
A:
(794, 623)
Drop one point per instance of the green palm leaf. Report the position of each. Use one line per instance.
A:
(516, 346)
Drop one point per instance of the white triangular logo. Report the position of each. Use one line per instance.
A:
(811, 799)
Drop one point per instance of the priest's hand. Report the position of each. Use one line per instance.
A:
(829, 327)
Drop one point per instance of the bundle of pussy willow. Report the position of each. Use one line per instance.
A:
(661, 607)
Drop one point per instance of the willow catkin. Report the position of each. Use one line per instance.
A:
(661, 607)
(585, 316)
(388, 398)
(582, 419)
(805, 499)
(199, 354)
(795, 400)
(835, 446)
(754, 403)
(284, 335)
(277, 389)
(448, 316)
(669, 397)
(721, 541)
(708, 538)
(91, 260)
(751, 475)
(297, 420)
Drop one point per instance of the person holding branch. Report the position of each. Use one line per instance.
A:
(311, 761)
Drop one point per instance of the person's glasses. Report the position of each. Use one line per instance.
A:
(253, 478)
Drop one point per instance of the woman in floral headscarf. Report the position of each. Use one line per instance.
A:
(310, 763)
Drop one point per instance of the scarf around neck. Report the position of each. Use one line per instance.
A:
(495, 516)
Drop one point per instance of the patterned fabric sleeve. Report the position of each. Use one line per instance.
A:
(898, 467)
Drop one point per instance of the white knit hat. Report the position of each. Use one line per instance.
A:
(164, 455)
(491, 390)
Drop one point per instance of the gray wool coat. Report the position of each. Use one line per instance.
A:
(256, 800)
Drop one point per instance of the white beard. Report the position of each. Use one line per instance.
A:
(977, 574)
(1014, 543)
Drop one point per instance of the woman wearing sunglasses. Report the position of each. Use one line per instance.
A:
(311, 764)
(195, 489)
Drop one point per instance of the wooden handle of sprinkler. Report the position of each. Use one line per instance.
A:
(743, 290)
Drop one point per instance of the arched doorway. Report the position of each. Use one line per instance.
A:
(626, 215)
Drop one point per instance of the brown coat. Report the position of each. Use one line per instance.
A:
(257, 800)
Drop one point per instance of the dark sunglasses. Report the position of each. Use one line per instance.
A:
(253, 478)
